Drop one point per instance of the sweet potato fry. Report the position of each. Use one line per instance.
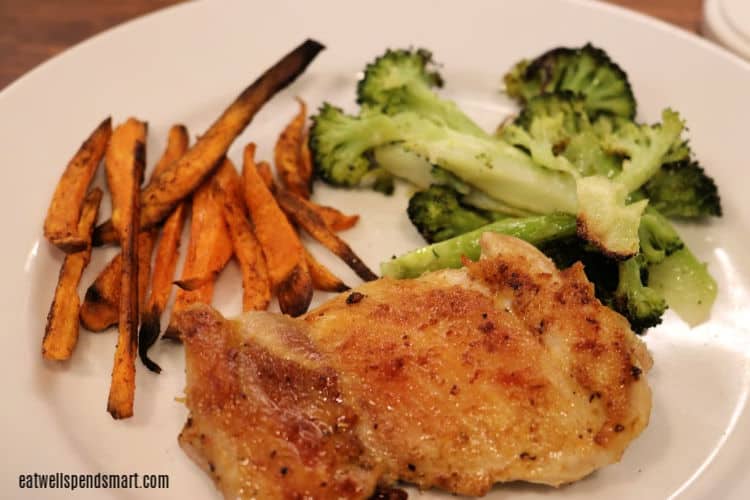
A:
(165, 263)
(281, 245)
(334, 218)
(287, 154)
(209, 249)
(177, 143)
(61, 334)
(105, 234)
(264, 170)
(167, 254)
(61, 226)
(322, 278)
(298, 209)
(256, 287)
(185, 175)
(126, 151)
(126, 172)
(306, 163)
(101, 305)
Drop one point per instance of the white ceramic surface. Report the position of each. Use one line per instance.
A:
(727, 22)
(186, 63)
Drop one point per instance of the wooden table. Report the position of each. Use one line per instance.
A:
(33, 31)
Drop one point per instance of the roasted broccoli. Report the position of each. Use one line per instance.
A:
(587, 71)
(642, 305)
(579, 177)
(657, 236)
(683, 189)
(438, 214)
(403, 80)
(344, 148)
(537, 230)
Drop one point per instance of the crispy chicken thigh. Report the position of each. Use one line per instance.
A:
(504, 370)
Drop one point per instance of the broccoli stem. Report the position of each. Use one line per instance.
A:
(535, 230)
(686, 285)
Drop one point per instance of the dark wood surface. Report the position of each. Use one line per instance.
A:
(32, 31)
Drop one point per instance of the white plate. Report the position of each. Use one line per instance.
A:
(185, 64)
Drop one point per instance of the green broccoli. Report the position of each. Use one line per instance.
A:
(686, 285)
(683, 189)
(641, 304)
(438, 214)
(657, 237)
(345, 148)
(587, 71)
(537, 230)
(403, 80)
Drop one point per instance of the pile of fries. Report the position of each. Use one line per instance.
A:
(248, 216)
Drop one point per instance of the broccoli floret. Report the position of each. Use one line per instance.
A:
(646, 147)
(341, 145)
(587, 71)
(683, 189)
(568, 104)
(537, 230)
(403, 80)
(657, 236)
(641, 305)
(560, 120)
(438, 214)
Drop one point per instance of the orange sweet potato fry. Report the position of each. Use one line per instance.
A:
(126, 151)
(322, 278)
(256, 287)
(61, 223)
(125, 162)
(306, 163)
(281, 245)
(209, 249)
(287, 154)
(333, 217)
(264, 170)
(61, 334)
(167, 254)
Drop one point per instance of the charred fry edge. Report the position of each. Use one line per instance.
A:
(105, 234)
(185, 175)
(165, 264)
(122, 388)
(295, 292)
(298, 209)
(61, 332)
(61, 222)
(101, 302)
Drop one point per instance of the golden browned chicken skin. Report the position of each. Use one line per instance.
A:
(504, 370)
